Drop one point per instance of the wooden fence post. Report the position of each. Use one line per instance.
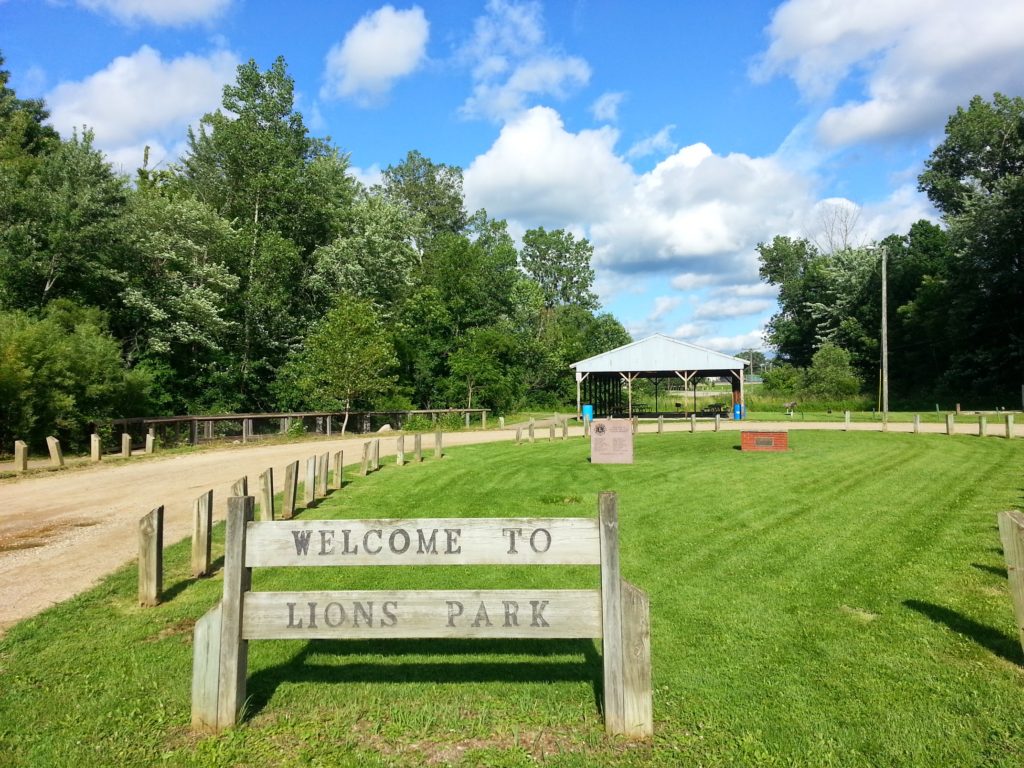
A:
(501, 422)
(241, 486)
(291, 490)
(438, 447)
(917, 423)
(950, 424)
(586, 427)
(551, 433)
(234, 651)
(529, 430)
(364, 467)
(339, 462)
(151, 557)
(206, 670)
(467, 419)
(418, 447)
(150, 444)
(376, 454)
(1009, 426)
(267, 494)
(693, 422)
(565, 429)
(611, 612)
(519, 435)
(95, 447)
(982, 426)
(20, 456)
(483, 420)
(637, 705)
(202, 536)
(661, 424)
(126, 445)
(56, 454)
(321, 478)
(1011, 532)
(400, 451)
(718, 422)
(846, 421)
(310, 487)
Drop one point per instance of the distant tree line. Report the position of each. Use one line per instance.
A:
(955, 292)
(258, 274)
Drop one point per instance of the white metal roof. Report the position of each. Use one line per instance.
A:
(659, 353)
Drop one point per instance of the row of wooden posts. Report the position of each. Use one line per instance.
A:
(95, 450)
(319, 482)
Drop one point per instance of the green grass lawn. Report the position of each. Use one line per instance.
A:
(841, 604)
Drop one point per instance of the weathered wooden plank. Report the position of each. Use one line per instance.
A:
(95, 447)
(56, 454)
(1011, 533)
(511, 613)
(234, 649)
(291, 490)
(661, 424)
(445, 541)
(309, 487)
(846, 421)
(693, 422)
(637, 705)
(982, 426)
(321, 474)
(519, 435)
(1009, 426)
(376, 455)
(529, 429)
(438, 445)
(950, 424)
(338, 478)
(551, 432)
(20, 456)
(364, 467)
(267, 494)
(240, 487)
(611, 612)
(718, 422)
(565, 429)
(418, 447)
(151, 557)
(917, 423)
(400, 451)
(206, 670)
(202, 536)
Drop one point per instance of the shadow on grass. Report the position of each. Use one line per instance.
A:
(993, 569)
(302, 668)
(1005, 647)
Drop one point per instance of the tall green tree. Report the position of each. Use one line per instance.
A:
(431, 192)
(976, 178)
(561, 266)
(347, 359)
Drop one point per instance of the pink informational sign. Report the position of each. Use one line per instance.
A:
(611, 441)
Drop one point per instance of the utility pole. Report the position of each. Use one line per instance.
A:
(885, 339)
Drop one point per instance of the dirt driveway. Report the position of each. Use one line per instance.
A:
(60, 532)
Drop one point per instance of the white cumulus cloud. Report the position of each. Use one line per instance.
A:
(511, 63)
(658, 143)
(606, 107)
(718, 309)
(171, 13)
(142, 99)
(917, 59)
(663, 305)
(382, 47)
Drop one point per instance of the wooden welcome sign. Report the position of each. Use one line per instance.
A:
(618, 613)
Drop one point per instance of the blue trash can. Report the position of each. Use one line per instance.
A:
(588, 413)
(737, 412)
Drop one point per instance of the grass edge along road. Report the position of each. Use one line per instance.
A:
(844, 603)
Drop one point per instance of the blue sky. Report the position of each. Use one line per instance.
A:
(674, 135)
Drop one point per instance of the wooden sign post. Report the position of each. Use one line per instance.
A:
(618, 613)
(291, 489)
(338, 476)
(151, 557)
(267, 494)
(202, 535)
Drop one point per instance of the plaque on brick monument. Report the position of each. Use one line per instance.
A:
(611, 441)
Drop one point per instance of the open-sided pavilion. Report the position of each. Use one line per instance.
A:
(606, 380)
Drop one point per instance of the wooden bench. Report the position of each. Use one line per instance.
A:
(618, 613)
